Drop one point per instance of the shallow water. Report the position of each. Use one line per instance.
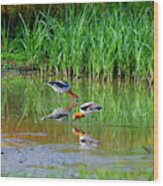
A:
(33, 146)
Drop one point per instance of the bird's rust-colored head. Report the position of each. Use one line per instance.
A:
(78, 115)
(78, 132)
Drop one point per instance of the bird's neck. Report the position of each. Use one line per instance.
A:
(72, 106)
(74, 96)
(79, 132)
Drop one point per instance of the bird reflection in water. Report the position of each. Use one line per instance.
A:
(85, 140)
(60, 114)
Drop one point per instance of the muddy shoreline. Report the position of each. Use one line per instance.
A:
(52, 160)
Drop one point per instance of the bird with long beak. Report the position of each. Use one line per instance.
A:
(84, 139)
(87, 108)
(61, 87)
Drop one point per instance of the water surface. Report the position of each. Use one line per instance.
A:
(35, 147)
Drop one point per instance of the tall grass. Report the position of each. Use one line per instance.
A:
(104, 40)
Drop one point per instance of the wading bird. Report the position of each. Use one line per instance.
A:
(85, 109)
(84, 139)
(61, 87)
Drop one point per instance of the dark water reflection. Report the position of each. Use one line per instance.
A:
(30, 112)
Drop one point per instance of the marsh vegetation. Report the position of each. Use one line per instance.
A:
(105, 51)
(104, 40)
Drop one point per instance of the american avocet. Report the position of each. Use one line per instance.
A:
(84, 139)
(87, 108)
(60, 114)
(61, 87)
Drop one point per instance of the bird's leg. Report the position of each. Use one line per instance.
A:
(61, 97)
(87, 121)
(93, 119)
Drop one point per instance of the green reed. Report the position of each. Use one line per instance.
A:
(104, 40)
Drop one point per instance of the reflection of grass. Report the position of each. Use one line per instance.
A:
(124, 105)
(29, 98)
(127, 110)
(108, 39)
